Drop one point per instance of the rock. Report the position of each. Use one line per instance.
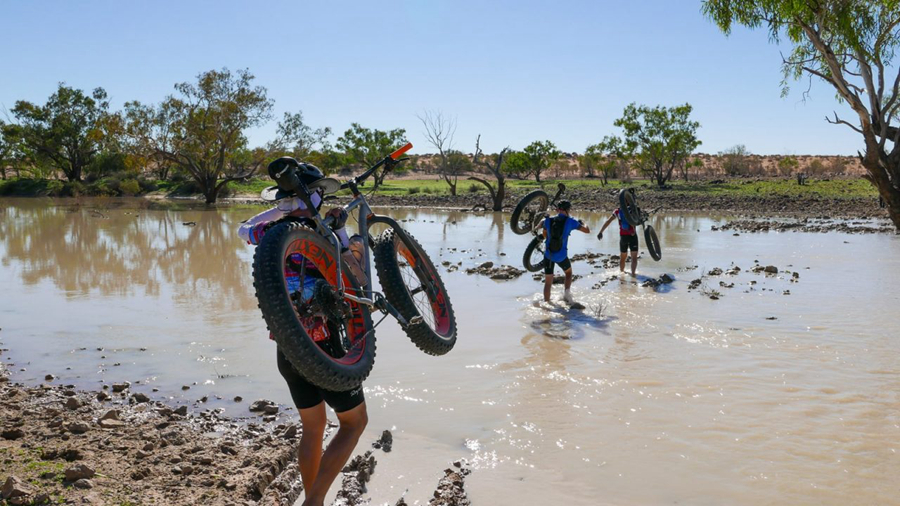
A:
(121, 387)
(78, 427)
(666, 279)
(187, 470)
(78, 472)
(12, 433)
(110, 420)
(84, 483)
(102, 396)
(715, 272)
(289, 432)
(695, 283)
(185, 387)
(139, 397)
(49, 377)
(261, 404)
(238, 398)
(14, 487)
(385, 442)
(181, 410)
(771, 269)
(72, 403)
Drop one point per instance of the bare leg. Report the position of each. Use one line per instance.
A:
(634, 255)
(568, 279)
(622, 258)
(340, 448)
(548, 284)
(310, 451)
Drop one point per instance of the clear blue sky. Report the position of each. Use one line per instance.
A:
(513, 70)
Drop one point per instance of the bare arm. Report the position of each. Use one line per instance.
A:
(605, 225)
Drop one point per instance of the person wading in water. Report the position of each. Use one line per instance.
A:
(556, 232)
(317, 469)
(628, 239)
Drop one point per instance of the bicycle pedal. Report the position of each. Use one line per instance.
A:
(415, 320)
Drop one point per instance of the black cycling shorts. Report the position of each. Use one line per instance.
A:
(627, 242)
(306, 395)
(565, 265)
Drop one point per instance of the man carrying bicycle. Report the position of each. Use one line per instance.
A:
(318, 470)
(556, 232)
(628, 240)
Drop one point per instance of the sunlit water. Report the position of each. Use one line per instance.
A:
(646, 397)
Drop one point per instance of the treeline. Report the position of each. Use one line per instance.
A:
(197, 138)
(198, 134)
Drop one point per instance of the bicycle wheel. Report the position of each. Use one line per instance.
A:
(534, 255)
(529, 211)
(652, 243)
(329, 340)
(629, 209)
(413, 286)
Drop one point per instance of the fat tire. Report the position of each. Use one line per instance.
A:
(389, 275)
(281, 319)
(653, 245)
(520, 207)
(629, 211)
(526, 258)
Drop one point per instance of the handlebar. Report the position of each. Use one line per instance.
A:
(390, 160)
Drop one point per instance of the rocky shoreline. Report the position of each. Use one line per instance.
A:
(61, 445)
(605, 200)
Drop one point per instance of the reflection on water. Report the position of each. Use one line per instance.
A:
(780, 392)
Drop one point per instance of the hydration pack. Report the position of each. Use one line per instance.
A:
(557, 233)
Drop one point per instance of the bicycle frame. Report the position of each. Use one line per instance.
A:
(365, 220)
(546, 213)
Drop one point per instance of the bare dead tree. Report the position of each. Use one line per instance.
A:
(494, 165)
(439, 131)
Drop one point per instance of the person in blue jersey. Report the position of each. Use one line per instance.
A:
(556, 233)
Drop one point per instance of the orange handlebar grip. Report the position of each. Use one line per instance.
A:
(397, 154)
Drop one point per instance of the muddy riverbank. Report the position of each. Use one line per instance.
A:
(63, 445)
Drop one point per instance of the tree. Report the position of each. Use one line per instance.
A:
(849, 44)
(64, 133)
(494, 165)
(787, 165)
(439, 131)
(734, 160)
(541, 155)
(658, 139)
(6, 149)
(517, 165)
(294, 136)
(367, 147)
(606, 156)
(202, 130)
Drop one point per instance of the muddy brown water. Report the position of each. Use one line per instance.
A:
(646, 397)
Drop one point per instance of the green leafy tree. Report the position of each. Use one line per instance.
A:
(367, 147)
(851, 45)
(658, 139)
(541, 155)
(66, 132)
(606, 156)
(517, 165)
(201, 129)
(294, 136)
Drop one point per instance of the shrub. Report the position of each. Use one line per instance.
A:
(72, 189)
(413, 190)
(55, 188)
(429, 190)
(129, 187)
(474, 188)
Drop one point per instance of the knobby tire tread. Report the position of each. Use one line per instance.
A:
(391, 279)
(278, 312)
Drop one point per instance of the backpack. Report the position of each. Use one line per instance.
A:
(557, 233)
